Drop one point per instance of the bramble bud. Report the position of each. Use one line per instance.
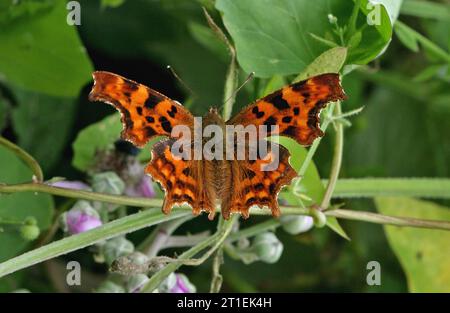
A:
(115, 248)
(110, 287)
(296, 224)
(267, 247)
(177, 283)
(136, 282)
(108, 182)
(29, 232)
(144, 188)
(81, 218)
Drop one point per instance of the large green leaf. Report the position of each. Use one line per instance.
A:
(18, 206)
(42, 124)
(424, 254)
(274, 36)
(41, 52)
(95, 137)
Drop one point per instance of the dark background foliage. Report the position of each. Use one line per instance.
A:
(45, 78)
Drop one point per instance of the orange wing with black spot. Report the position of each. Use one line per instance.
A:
(251, 185)
(295, 108)
(184, 181)
(145, 112)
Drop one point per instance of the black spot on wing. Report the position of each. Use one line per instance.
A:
(290, 131)
(296, 111)
(257, 113)
(278, 101)
(152, 100)
(139, 110)
(270, 121)
(298, 86)
(150, 119)
(149, 131)
(130, 86)
(165, 124)
(287, 119)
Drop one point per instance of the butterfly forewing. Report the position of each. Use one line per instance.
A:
(145, 112)
(294, 110)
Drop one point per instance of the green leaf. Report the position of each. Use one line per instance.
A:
(31, 119)
(426, 9)
(111, 3)
(11, 11)
(310, 184)
(407, 37)
(43, 53)
(331, 61)
(16, 207)
(206, 37)
(95, 137)
(274, 37)
(423, 253)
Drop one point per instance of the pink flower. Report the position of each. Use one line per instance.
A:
(78, 221)
(70, 185)
(182, 285)
(142, 189)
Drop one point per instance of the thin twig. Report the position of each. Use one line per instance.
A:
(27, 158)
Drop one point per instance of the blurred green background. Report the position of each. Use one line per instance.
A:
(45, 76)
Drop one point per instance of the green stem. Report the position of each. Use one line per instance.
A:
(388, 220)
(215, 240)
(120, 226)
(399, 187)
(312, 150)
(27, 158)
(270, 224)
(337, 160)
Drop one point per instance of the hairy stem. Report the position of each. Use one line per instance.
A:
(24, 156)
(337, 160)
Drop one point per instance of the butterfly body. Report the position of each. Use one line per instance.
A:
(226, 180)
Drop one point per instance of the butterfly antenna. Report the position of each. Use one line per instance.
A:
(249, 78)
(172, 71)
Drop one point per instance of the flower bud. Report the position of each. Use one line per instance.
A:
(144, 188)
(332, 19)
(177, 283)
(136, 282)
(115, 248)
(267, 247)
(29, 230)
(81, 218)
(108, 182)
(296, 224)
(110, 287)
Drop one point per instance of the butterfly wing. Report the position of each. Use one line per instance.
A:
(145, 112)
(249, 184)
(184, 181)
(295, 108)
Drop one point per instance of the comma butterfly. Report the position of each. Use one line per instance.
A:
(236, 184)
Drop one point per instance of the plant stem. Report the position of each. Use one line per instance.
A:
(216, 240)
(120, 226)
(27, 158)
(399, 187)
(387, 219)
(337, 160)
(251, 231)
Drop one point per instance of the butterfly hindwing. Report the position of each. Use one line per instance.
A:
(183, 181)
(145, 112)
(252, 183)
(294, 109)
